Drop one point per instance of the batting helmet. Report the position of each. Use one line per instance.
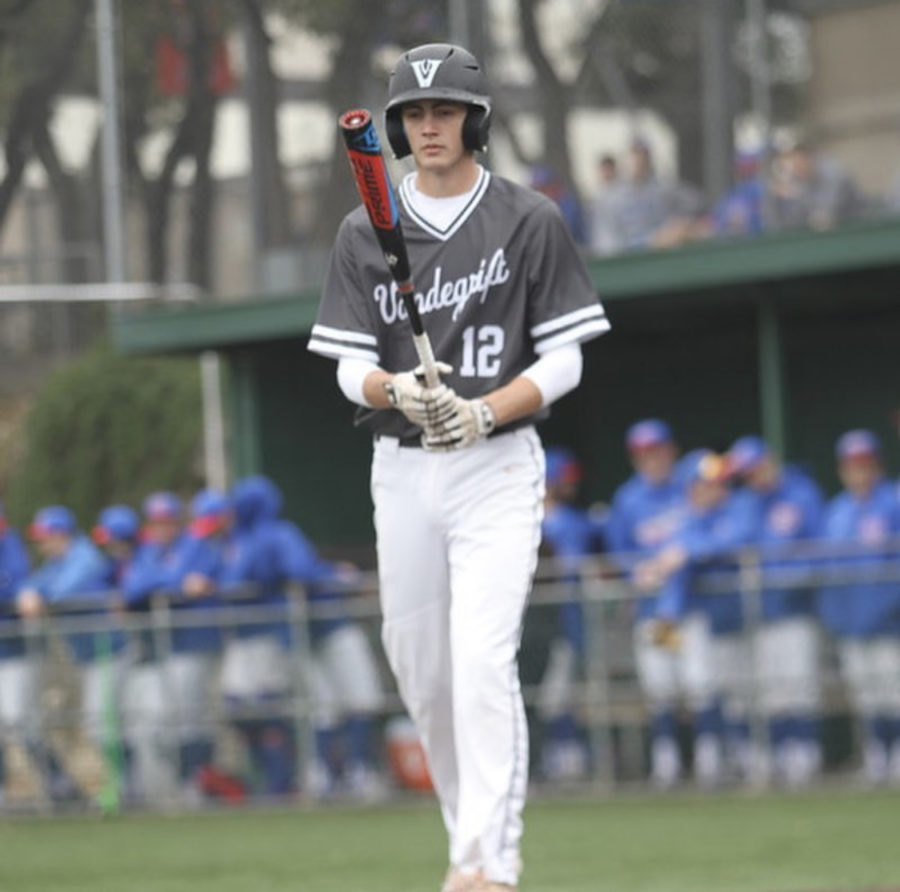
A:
(438, 71)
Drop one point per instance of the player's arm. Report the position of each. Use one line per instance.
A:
(367, 384)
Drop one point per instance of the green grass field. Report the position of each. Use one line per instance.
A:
(728, 843)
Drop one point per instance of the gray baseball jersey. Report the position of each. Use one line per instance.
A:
(502, 284)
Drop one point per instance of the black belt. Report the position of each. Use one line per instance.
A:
(414, 441)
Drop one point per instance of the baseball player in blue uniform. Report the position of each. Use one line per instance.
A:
(74, 578)
(458, 469)
(17, 673)
(704, 629)
(175, 684)
(647, 511)
(786, 645)
(269, 552)
(569, 534)
(861, 529)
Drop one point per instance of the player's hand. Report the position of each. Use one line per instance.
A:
(30, 603)
(197, 585)
(421, 405)
(665, 633)
(470, 421)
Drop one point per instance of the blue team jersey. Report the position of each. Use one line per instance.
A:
(862, 533)
(82, 575)
(711, 539)
(791, 513)
(161, 569)
(14, 567)
(569, 534)
(644, 516)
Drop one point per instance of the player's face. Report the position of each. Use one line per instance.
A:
(162, 530)
(706, 494)
(434, 130)
(654, 462)
(859, 475)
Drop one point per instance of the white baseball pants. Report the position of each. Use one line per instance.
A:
(457, 537)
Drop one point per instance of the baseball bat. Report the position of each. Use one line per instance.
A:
(377, 193)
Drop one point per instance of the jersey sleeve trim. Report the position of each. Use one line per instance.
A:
(340, 343)
(575, 327)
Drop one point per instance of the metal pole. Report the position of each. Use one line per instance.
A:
(215, 462)
(111, 172)
(760, 90)
(459, 22)
(718, 96)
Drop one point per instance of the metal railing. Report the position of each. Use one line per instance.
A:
(606, 695)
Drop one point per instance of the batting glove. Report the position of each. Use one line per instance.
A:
(666, 634)
(470, 421)
(421, 405)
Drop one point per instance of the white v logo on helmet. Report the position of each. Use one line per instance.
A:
(425, 70)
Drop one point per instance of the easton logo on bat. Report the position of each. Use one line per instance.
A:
(365, 140)
(375, 189)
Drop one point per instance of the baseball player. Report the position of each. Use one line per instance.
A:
(17, 673)
(458, 469)
(701, 632)
(175, 687)
(647, 510)
(785, 646)
(861, 528)
(569, 534)
(74, 577)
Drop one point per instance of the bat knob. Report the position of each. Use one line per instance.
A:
(354, 118)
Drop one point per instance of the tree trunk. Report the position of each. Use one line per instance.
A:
(264, 87)
(32, 107)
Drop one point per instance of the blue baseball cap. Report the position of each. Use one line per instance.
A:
(646, 433)
(50, 520)
(562, 466)
(162, 506)
(746, 453)
(858, 443)
(117, 523)
(208, 510)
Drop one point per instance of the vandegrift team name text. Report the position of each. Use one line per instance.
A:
(454, 293)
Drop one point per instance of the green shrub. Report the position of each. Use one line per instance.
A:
(106, 429)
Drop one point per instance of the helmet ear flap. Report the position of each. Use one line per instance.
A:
(476, 128)
(396, 135)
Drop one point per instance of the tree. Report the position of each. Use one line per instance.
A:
(109, 429)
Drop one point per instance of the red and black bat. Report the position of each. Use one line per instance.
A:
(377, 193)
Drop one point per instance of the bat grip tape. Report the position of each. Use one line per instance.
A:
(426, 357)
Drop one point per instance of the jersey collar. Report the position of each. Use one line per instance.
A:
(467, 206)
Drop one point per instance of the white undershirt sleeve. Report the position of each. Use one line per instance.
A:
(351, 373)
(557, 372)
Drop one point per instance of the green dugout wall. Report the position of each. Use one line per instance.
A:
(794, 336)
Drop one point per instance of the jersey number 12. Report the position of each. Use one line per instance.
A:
(481, 351)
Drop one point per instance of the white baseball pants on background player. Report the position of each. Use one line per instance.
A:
(458, 535)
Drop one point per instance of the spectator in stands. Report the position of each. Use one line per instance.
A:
(605, 235)
(655, 214)
(742, 210)
(74, 579)
(18, 678)
(810, 189)
(788, 515)
(179, 566)
(570, 534)
(861, 529)
(892, 196)
(545, 180)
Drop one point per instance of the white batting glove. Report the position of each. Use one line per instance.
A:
(421, 405)
(470, 421)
